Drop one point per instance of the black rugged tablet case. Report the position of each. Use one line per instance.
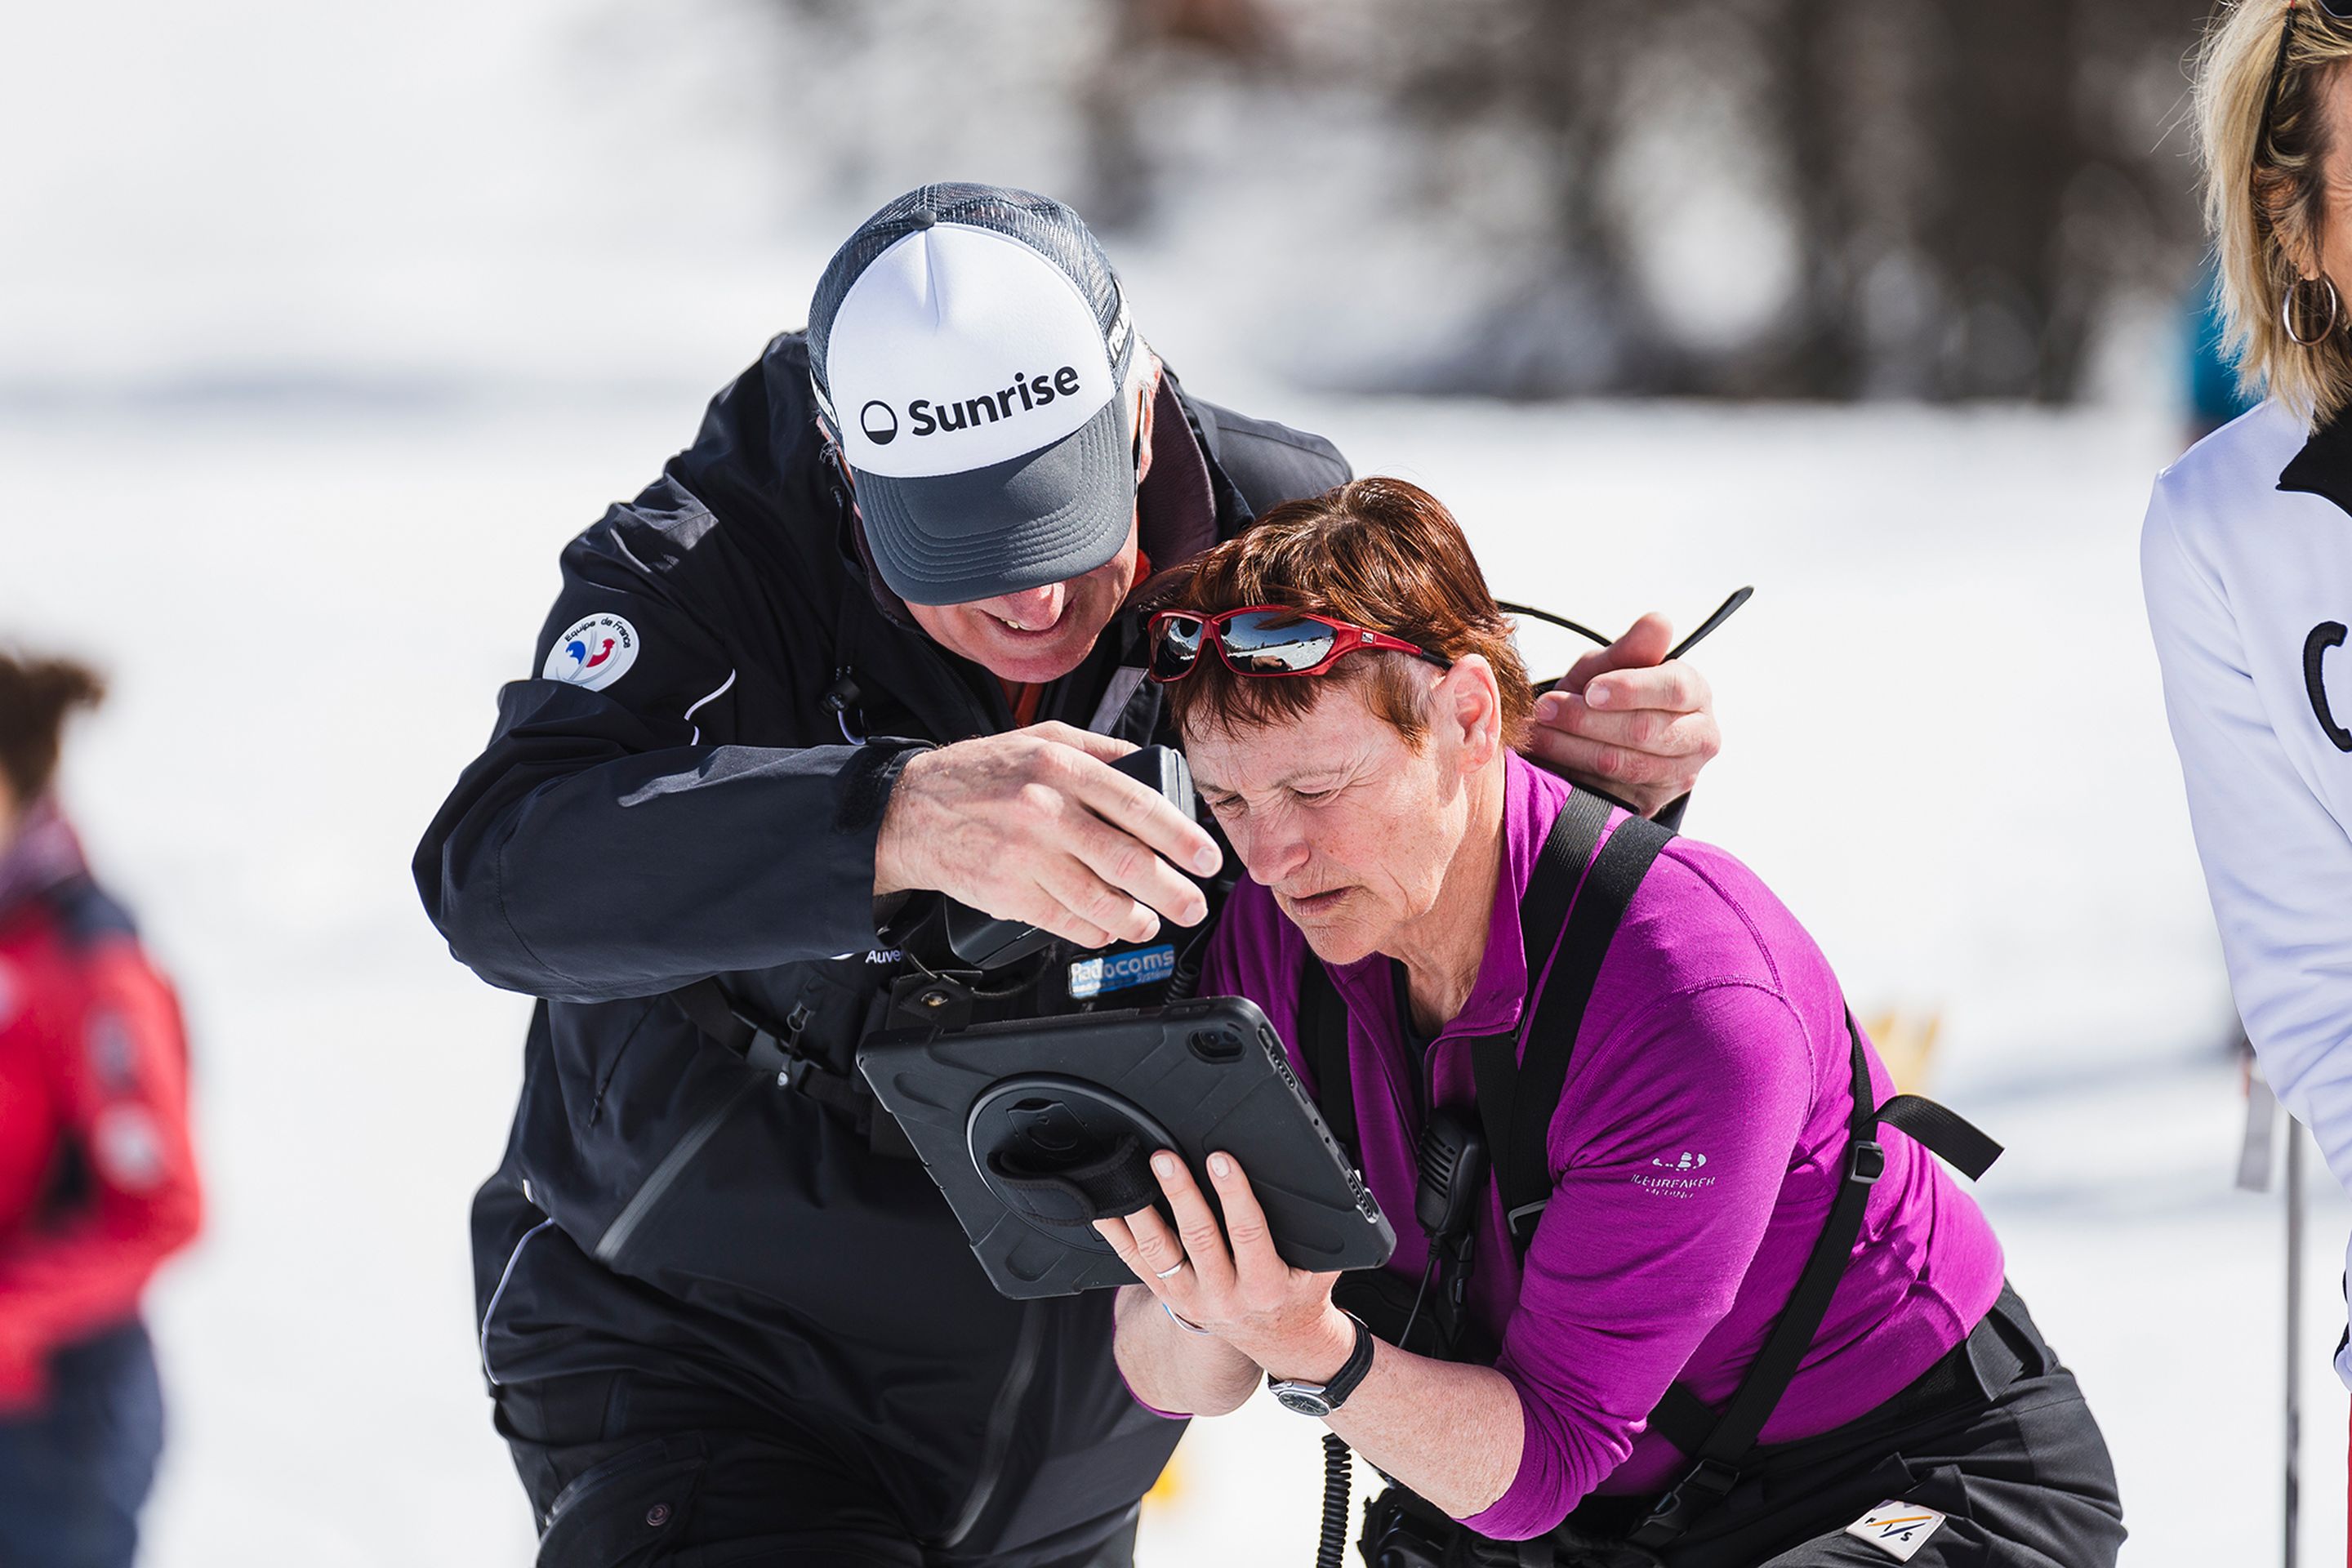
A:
(1028, 1126)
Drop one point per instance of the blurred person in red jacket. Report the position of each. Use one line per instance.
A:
(98, 1184)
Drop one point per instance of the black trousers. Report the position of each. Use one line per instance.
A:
(74, 1473)
(2019, 1471)
(627, 1472)
(1996, 1437)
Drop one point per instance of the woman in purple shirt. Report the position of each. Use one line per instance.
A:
(1390, 831)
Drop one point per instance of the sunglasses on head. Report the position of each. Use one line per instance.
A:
(2337, 10)
(1265, 640)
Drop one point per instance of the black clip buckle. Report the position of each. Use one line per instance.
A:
(773, 1053)
(795, 1072)
(780, 1053)
(1867, 1163)
(1707, 1483)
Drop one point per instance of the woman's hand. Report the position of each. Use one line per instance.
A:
(1231, 1282)
(1451, 1432)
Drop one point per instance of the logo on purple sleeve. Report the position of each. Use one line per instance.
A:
(1673, 1176)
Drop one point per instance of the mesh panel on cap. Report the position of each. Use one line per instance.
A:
(1041, 222)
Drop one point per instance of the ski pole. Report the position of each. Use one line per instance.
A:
(2293, 1339)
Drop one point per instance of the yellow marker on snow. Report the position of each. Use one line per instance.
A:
(1906, 1044)
(1169, 1490)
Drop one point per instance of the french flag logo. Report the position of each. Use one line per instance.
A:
(583, 659)
(594, 652)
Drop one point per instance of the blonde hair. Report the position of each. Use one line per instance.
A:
(2265, 197)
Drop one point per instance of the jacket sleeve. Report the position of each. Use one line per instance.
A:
(610, 842)
(2278, 863)
(118, 1060)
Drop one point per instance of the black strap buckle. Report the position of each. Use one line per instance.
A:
(796, 1069)
(1705, 1484)
(779, 1051)
(1867, 1162)
(792, 1068)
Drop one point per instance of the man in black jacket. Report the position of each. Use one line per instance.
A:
(871, 641)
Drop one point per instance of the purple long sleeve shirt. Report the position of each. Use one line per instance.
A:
(1695, 1155)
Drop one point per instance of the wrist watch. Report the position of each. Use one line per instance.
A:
(1321, 1399)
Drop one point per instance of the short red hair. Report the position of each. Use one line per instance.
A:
(1379, 553)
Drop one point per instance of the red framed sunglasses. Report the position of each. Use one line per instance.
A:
(1264, 641)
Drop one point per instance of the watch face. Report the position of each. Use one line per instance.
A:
(1306, 1401)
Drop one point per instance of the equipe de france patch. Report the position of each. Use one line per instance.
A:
(1897, 1529)
(596, 652)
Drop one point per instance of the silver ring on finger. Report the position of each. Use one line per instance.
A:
(1171, 1269)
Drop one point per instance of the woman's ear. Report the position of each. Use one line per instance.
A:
(2274, 198)
(1470, 704)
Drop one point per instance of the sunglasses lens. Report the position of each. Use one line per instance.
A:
(1275, 642)
(1175, 643)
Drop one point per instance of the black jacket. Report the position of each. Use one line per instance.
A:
(661, 1208)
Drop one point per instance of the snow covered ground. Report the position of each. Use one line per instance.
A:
(1946, 750)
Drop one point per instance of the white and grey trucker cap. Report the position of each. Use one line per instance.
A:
(968, 345)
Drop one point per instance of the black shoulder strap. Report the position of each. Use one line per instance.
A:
(1716, 1459)
(1323, 1041)
(766, 1050)
(705, 1002)
(1776, 1363)
(1715, 1465)
(1543, 911)
(1943, 1132)
(1518, 1098)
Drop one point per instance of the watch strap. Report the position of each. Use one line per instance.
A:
(1351, 1372)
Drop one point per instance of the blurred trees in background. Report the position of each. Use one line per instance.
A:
(1752, 198)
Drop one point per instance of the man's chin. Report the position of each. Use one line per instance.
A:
(1035, 665)
(1045, 655)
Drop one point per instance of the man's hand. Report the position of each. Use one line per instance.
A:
(1623, 723)
(1035, 825)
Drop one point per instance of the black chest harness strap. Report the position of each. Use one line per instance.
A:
(1575, 901)
(768, 1050)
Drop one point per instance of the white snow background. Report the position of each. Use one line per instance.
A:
(325, 329)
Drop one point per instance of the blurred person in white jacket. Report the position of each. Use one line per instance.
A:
(2247, 554)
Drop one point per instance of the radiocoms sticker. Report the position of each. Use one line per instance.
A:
(1091, 977)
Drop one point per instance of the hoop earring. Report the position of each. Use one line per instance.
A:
(2289, 315)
